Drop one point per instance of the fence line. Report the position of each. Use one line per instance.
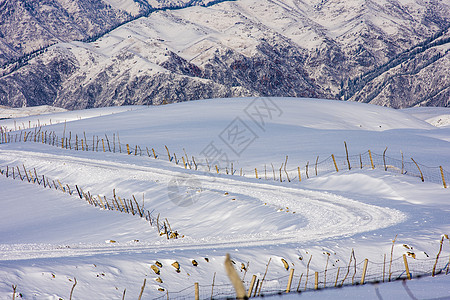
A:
(332, 163)
(343, 276)
(129, 206)
(361, 272)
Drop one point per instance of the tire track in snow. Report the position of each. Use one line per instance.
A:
(327, 215)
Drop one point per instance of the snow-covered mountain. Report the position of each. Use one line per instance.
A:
(392, 53)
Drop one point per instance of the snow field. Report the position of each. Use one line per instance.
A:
(252, 219)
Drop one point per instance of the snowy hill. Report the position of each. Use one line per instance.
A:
(48, 237)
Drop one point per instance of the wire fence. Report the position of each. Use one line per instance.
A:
(355, 273)
(317, 167)
(129, 206)
(307, 280)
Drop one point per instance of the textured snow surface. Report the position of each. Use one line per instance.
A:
(47, 237)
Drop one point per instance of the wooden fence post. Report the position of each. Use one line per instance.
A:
(285, 171)
(403, 164)
(291, 275)
(337, 276)
(317, 160)
(128, 149)
(142, 289)
(197, 292)
(281, 179)
(256, 288)
(299, 175)
(421, 175)
(262, 280)
(371, 160)
(346, 152)
(256, 173)
(335, 165)
(154, 154)
(234, 278)
(168, 153)
(26, 174)
(437, 257)
(366, 261)
(443, 178)
(316, 280)
(307, 272)
(107, 141)
(250, 288)
(406, 267)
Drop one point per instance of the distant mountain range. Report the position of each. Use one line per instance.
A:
(80, 54)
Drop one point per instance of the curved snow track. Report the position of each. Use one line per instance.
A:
(267, 212)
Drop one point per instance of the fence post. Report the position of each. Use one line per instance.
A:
(291, 275)
(154, 154)
(443, 178)
(299, 175)
(142, 289)
(384, 159)
(316, 280)
(234, 278)
(337, 276)
(281, 178)
(317, 160)
(128, 149)
(403, 164)
(421, 175)
(346, 152)
(437, 257)
(335, 165)
(256, 173)
(406, 267)
(287, 174)
(366, 261)
(168, 153)
(256, 288)
(250, 288)
(26, 174)
(197, 293)
(371, 160)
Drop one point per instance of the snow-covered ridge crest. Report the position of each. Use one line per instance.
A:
(389, 53)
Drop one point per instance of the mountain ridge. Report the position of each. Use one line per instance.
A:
(327, 49)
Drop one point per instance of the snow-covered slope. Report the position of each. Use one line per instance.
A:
(438, 117)
(48, 237)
